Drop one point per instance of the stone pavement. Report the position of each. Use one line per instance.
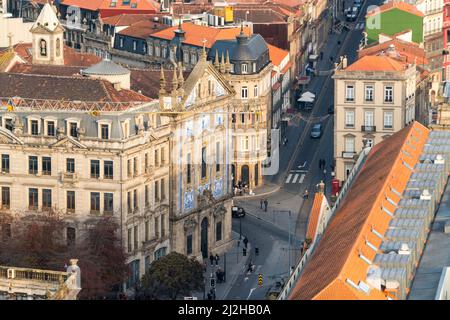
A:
(236, 264)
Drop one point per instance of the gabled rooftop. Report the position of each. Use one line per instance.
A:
(403, 6)
(377, 63)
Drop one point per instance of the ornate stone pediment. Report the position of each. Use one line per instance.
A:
(219, 211)
(190, 224)
(68, 143)
(7, 137)
(206, 198)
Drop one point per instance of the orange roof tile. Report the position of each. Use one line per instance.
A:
(276, 54)
(377, 63)
(336, 257)
(314, 216)
(195, 34)
(95, 5)
(396, 5)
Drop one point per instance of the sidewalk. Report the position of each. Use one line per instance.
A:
(235, 265)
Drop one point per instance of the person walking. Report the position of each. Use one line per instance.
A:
(261, 202)
(245, 242)
(217, 259)
(306, 194)
(211, 259)
(321, 55)
(266, 203)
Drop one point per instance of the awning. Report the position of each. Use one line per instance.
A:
(306, 99)
(308, 94)
(313, 57)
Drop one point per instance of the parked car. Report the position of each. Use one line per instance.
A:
(237, 212)
(316, 131)
(358, 4)
(275, 290)
(330, 109)
(352, 14)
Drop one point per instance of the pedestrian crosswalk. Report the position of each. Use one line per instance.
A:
(359, 26)
(295, 178)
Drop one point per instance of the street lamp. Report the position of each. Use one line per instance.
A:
(246, 15)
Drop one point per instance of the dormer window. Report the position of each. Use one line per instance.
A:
(34, 127)
(232, 68)
(104, 128)
(9, 124)
(43, 47)
(121, 42)
(244, 68)
(134, 45)
(254, 67)
(50, 127)
(72, 127)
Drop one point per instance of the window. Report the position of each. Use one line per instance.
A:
(189, 244)
(219, 231)
(95, 201)
(6, 197)
(135, 199)
(245, 143)
(130, 243)
(157, 51)
(147, 230)
(70, 201)
(203, 173)
(5, 163)
(46, 199)
(348, 168)
(349, 144)
(388, 94)
(70, 165)
(218, 156)
(104, 128)
(388, 119)
(188, 168)
(9, 124)
(163, 189)
(161, 252)
(369, 93)
(51, 128)
(6, 231)
(368, 118)
(108, 169)
(349, 118)
(244, 68)
(32, 198)
(121, 42)
(32, 165)
(134, 45)
(157, 227)
(43, 47)
(163, 225)
(156, 158)
(95, 169)
(70, 236)
(244, 93)
(163, 156)
(146, 169)
(129, 202)
(350, 93)
(73, 129)
(254, 67)
(129, 168)
(255, 91)
(147, 196)
(108, 204)
(34, 130)
(135, 165)
(156, 191)
(46, 166)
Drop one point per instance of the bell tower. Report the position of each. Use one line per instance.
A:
(48, 38)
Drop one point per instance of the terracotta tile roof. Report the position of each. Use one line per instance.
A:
(410, 50)
(377, 63)
(261, 14)
(95, 5)
(143, 29)
(276, 54)
(127, 19)
(396, 5)
(28, 68)
(147, 81)
(336, 257)
(314, 216)
(71, 56)
(195, 34)
(64, 88)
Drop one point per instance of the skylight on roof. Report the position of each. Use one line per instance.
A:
(134, 5)
(126, 2)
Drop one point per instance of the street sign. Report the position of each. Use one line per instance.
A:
(260, 279)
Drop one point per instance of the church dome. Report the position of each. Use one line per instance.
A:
(106, 68)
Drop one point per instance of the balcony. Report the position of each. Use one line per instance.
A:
(368, 128)
(69, 177)
(348, 154)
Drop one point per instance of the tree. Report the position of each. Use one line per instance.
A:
(37, 241)
(171, 276)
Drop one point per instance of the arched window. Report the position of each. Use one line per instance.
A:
(58, 47)
(43, 47)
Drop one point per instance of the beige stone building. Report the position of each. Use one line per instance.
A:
(374, 97)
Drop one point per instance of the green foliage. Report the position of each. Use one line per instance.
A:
(171, 276)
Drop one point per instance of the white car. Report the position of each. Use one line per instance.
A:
(352, 13)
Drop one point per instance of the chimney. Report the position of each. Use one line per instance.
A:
(344, 62)
(391, 52)
(117, 86)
